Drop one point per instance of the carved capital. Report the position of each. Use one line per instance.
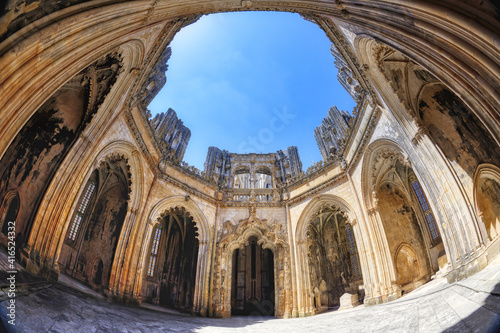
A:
(421, 132)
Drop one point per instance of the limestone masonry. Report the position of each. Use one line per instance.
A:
(408, 189)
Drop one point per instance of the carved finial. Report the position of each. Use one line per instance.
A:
(252, 210)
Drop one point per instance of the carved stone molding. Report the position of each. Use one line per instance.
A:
(419, 135)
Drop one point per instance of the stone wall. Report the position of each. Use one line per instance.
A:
(438, 118)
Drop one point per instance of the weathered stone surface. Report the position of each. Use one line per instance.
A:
(430, 113)
(332, 133)
(348, 301)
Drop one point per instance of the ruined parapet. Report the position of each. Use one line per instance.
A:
(346, 77)
(288, 164)
(332, 133)
(156, 80)
(218, 165)
(172, 135)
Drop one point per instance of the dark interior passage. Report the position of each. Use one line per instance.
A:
(252, 291)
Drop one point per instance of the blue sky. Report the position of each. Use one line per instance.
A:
(251, 82)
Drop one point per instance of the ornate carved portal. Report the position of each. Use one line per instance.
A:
(333, 259)
(260, 253)
(252, 289)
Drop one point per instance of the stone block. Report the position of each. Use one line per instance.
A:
(442, 261)
(348, 301)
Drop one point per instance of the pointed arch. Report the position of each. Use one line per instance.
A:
(487, 202)
(200, 300)
(314, 204)
(305, 272)
(182, 201)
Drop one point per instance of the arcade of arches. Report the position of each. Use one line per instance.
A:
(409, 186)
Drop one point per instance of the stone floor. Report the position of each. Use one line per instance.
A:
(470, 305)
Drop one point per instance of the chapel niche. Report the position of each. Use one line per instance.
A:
(412, 234)
(456, 130)
(333, 259)
(252, 285)
(171, 266)
(439, 112)
(34, 156)
(488, 203)
(89, 248)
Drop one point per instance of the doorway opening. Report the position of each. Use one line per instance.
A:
(252, 290)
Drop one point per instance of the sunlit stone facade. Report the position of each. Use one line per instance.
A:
(411, 192)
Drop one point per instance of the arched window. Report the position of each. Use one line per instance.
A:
(81, 210)
(429, 217)
(154, 251)
(263, 177)
(352, 249)
(242, 178)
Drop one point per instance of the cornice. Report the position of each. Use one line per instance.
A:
(338, 179)
(328, 166)
(138, 138)
(264, 204)
(188, 189)
(365, 139)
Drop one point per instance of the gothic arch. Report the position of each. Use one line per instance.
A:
(487, 202)
(408, 267)
(269, 236)
(388, 200)
(370, 178)
(132, 155)
(200, 303)
(190, 206)
(314, 204)
(117, 150)
(306, 299)
(427, 44)
(455, 218)
(44, 240)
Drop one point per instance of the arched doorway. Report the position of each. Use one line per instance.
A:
(89, 247)
(252, 289)
(98, 268)
(487, 199)
(332, 257)
(172, 264)
(413, 239)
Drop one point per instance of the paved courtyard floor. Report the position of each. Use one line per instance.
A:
(470, 305)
